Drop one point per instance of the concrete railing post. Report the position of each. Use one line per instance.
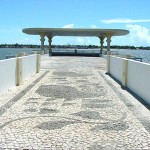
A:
(108, 62)
(125, 73)
(21, 54)
(42, 52)
(34, 52)
(38, 63)
(19, 71)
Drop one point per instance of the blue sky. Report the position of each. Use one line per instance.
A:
(132, 15)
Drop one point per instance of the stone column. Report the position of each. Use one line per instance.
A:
(108, 42)
(108, 62)
(49, 46)
(101, 43)
(42, 41)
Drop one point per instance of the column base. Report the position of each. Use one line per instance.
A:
(50, 53)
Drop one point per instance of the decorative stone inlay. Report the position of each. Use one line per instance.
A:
(88, 114)
(71, 107)
(118, 126)
(30, 110)
(67, 92)
(50, 99)
(58, 91)
(106, 145)
(46, 111)
(28, 103)
(47, 103)
(67, 104)
(96, 103)
(52, 125)
(94, 89)
(69, 74)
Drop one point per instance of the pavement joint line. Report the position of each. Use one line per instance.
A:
(17, 97)
(125, 100)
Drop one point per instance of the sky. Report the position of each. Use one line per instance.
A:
(132, 15)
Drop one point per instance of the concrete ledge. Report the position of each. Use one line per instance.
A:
(132, 75)
(14, 71)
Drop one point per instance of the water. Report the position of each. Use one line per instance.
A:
(13, 51)
(145, 54)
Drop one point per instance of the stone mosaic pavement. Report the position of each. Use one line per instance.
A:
(72, 104)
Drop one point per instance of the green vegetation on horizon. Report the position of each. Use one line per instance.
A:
(70, 46)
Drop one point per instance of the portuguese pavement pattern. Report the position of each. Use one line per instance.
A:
(69, 105)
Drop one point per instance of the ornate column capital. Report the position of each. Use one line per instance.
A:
(42, 37)
(42, 41)
(49, 38)
(108, 37)
(108, 41)
(101, 37)
(50, 42)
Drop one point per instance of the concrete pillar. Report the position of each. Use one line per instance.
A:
(108, 62)
(38, 63)
(50, 42)
(101, 43)
(21, 54)
(19, 71)
(41, 52)
(42, 41)
(34, 52)
(125, 72)
(108, 42)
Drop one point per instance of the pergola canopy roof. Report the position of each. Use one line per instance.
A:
(74, 32)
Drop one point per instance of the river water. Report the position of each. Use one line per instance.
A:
(13, 51)
(144, 54)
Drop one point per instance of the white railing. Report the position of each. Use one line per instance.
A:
(132, 74)
(28, 66)
(139, 79)
(14, 71)
(116, 71)
(7, 74)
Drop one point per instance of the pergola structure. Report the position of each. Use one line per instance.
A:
(51, 32)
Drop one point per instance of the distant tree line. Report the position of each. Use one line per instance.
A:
(19, 46)
(70, 46)
(130, 47)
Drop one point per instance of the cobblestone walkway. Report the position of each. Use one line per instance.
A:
(70, 106)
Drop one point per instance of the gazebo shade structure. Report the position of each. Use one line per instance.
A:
(74, 32)
(51, 32)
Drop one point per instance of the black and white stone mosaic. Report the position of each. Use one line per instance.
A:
(71, 106)
(52, 125)
(46, 111)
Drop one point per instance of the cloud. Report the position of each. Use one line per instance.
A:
(93, 26)
(68, 26)
(139, 35)
(123, 20)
